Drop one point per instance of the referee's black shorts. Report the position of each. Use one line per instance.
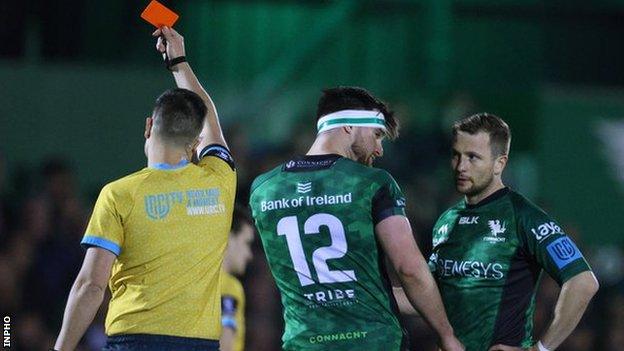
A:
(132, 342)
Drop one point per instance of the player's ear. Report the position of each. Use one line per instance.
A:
(149, 121)
(499, 164)
(348, 129)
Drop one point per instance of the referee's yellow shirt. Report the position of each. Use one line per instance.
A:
(168, 226)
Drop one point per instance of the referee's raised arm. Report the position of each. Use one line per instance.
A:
(173, 47)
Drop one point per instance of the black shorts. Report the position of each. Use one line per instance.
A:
(132, 342)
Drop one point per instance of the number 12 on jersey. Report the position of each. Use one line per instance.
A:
(289, 227)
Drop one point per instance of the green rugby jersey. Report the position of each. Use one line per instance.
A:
(487, 259)
(316, 218)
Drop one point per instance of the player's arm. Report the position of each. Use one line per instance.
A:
(85, 297)
(185, 78)
(395, 236)
(405, 306)
(573, 300)
(226, 342)
(545, 242)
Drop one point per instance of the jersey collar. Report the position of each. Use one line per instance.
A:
(493, 197)
(308, 163)
(166, 166)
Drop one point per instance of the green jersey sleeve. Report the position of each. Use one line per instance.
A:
(388, 199)
(549, 246)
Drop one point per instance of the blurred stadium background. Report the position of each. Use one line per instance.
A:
(79, 77)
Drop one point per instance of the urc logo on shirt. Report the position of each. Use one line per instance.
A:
(157, 206)
(563, 251)
(198, 202)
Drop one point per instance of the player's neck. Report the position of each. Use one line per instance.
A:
(160, 153)
(494, 186)
(325, 144)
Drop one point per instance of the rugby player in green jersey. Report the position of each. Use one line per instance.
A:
(490, 249)
(328, 220)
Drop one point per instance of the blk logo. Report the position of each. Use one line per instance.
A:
(469, 220)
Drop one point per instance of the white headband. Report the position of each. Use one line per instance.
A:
(357, 118)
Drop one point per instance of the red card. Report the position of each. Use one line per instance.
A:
(158, 15)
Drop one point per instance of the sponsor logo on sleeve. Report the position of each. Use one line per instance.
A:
(443, 229)
(441, 235)
(218, 151)
(439, 240)
(563, 252)
(224, 155)
(545, 230)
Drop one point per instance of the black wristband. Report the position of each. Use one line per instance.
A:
(175, 61)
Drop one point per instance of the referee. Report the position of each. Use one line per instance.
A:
(157, 236)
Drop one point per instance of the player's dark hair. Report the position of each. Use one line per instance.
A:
(497, 129)
(179, 116)
(240, 217)
(355, 98)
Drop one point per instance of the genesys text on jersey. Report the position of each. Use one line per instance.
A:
(301, 201)
(451, 268)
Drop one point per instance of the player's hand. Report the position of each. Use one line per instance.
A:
(173, 45)
(501, 347)
(451, 344)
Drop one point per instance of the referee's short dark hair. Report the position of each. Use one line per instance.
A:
(240, 217)
(494, 126)
(179, 116)
(356, 98)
